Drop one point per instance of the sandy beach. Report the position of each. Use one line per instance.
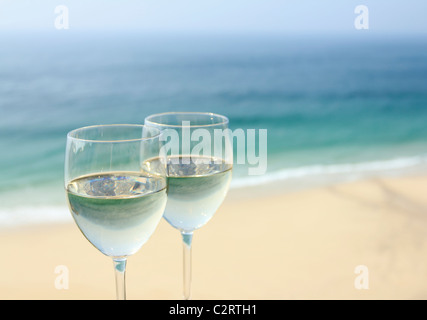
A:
(297, 245)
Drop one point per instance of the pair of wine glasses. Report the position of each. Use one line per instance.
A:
(120, 180)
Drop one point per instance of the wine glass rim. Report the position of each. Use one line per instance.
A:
(224, 119)
(71, 134)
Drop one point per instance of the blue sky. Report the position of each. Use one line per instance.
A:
(218, 16)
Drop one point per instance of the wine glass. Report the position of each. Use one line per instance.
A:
(115, 200)
(199, 169)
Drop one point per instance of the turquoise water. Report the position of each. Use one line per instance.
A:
(350, 105)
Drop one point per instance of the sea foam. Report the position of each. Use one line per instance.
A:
(347, 171)
(12, 217)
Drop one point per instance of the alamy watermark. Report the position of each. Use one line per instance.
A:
(61, 21)
(362, 280)
(62, 18)
(62, 279)
(362, 20)
(239, 146)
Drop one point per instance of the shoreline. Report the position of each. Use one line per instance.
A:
(260, 245)
(41, 211)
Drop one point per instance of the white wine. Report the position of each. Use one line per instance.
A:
(117, 211)
(196, 188)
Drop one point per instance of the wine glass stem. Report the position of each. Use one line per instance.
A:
(119, 271)
(187, 238)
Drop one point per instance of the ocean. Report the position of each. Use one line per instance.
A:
(335, 108)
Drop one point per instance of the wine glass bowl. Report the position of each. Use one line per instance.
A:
(199, 162)
(115, 201)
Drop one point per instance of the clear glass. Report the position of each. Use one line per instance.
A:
(115, 200)
(199, 170)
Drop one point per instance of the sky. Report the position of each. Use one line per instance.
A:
(216, 16)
